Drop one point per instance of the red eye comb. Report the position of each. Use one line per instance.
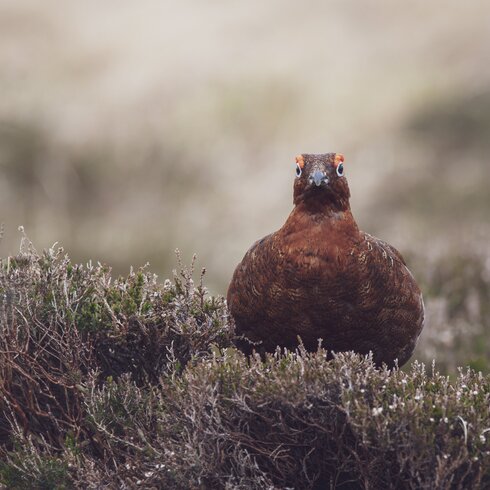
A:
(300, 161)
(339, 158)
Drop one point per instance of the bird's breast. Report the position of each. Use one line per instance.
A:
(317, 252)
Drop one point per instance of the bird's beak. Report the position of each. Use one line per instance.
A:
(318, 178)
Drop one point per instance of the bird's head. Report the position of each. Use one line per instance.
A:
(320, 182)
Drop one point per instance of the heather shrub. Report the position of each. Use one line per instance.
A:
(294, 420)
(131, 383)
(62, 324)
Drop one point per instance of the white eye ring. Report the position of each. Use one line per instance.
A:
(340, 169)
(299, 171)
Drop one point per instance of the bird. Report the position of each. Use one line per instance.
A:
(320, 281)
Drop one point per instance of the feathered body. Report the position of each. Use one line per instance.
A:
(320, 277)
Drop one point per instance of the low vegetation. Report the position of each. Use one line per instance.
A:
(131, 383)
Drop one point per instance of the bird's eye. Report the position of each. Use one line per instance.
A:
(340, 169)
(298, 171)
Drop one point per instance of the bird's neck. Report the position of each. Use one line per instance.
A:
(324, 219)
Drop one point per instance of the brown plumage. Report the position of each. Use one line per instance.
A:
(319, 276)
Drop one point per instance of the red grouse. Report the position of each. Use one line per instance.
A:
(320, 277)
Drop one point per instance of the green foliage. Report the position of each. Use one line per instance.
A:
(25, 469)
(132, 383)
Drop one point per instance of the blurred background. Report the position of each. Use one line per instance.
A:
(129, 129)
